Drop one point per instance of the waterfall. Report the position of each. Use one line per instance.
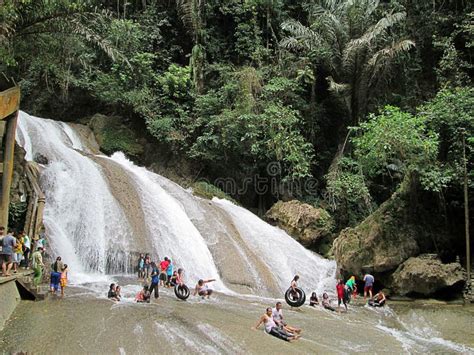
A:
(102, 211)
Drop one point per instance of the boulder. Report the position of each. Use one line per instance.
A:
(381, 242)
(425, 275)
(307, 224)
(113, 135)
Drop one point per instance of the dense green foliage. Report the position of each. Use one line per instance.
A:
(351, 96)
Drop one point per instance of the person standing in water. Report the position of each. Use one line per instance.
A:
(155, 280)
(37, 262)
(169, 273)
(163, 267)
(56, 269)
(141, 267)
(202, 289)
(351, 286)
(294, 284)
(369, 284)
(277, 314)
(180, 277)
(340, 289)
(63, 280)
(271, 327)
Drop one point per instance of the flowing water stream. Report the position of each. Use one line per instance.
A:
(102, 211)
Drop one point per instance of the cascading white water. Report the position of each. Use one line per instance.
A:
(90, 228)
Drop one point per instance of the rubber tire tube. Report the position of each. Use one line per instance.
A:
(182, 292)
(295, 303)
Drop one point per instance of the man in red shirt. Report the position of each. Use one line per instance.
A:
(340, 295)
(163, 266)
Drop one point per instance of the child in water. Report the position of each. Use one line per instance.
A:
(63, 279)
(313, 300)
(143, 296)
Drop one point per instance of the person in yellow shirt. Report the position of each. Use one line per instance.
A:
(18, 253)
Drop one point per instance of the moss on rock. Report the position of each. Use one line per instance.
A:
(112, 135)
(208, 191)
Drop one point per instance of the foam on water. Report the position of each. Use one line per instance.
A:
(285, 256)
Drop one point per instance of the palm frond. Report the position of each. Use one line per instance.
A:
(385, 55)
(301, 36)
(373, 33)
(185, 10)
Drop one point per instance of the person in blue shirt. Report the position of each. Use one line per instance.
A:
(155, 280)
(169, 273)
(141, 267)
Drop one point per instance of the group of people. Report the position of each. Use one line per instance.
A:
(58, 277)
(346, 291)
(15, 251)
(273, 317)
(156, 274)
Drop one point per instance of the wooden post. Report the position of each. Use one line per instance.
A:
(8, 168)
(9, 106)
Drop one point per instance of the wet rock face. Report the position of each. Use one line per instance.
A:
(425, 275)
(371, 246)
(307, 224)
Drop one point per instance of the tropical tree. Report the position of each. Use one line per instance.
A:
(193, 16)
(352, 41)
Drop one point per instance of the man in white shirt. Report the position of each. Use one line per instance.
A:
(277, 314)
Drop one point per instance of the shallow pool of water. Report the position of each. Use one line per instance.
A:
(84, 321)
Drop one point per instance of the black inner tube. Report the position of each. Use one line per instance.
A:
(295, 298)
(182, 292)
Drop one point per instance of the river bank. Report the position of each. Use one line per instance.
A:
(86, 322)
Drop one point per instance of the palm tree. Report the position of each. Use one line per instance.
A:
(22, 19)
(193, 16)
(353, 43)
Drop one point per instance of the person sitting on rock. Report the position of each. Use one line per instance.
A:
(369, 283)
(378, 301)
